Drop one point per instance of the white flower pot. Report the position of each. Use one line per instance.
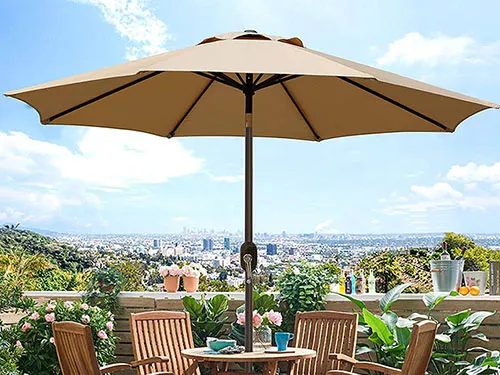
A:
(476, 278)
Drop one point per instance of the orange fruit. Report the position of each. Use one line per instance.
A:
(463, 290)
(474, 290)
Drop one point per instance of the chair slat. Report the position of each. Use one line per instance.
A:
(326, 332)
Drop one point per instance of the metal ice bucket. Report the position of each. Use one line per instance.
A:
(446, 275)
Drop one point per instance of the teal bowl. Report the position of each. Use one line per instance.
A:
(217, 345)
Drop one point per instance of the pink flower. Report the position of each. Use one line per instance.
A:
(109, 326)
(18, 344)
(68, 305)
(50, 307)
(35, 316)
(176, 271)
(164, 271)
(26, 327)
(50, 317)
(85, 319)
(257, 319)
(51, 340)
(241, 319)
(274, 318)
(187, 271)
(102, 335)
(84, 306)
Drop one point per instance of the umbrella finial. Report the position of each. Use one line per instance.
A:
(250, 31)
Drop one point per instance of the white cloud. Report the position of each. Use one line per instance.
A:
(105, 159)
(415, 48)
(472, 172)
(326, 227)
(179, 219)
(439, 191)
(230, 179)
(132, 19)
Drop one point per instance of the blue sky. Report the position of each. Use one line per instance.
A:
(93, 180)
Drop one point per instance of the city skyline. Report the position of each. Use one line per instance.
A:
(81, 180)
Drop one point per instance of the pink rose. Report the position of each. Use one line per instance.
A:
(187, 271)
(164, 271)
(85, 319)
(50, 317)
(257, 319)
(102, 335)
(176, 272)
(68, 305)
(241, 319)
(35, 316)
(18, 344)
(274, 318)
(84, 306)
(51, 340)
(109, 326)
(50, 307)
(26, 327)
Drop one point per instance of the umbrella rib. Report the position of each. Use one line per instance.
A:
(304, 117)
(396, 103)
(99, 97)
(220, 80)
(186, 114)
(275, 79)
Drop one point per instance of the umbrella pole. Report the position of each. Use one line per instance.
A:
(248, 251)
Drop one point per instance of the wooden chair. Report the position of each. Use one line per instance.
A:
(326, 332)
(417, 357)
(75, 351)
(162, 334)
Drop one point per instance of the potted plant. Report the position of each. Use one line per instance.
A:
(171, 277)
(191, 276)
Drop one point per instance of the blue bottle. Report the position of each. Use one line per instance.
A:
(353, 282)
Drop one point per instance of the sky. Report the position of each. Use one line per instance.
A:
(77, 179)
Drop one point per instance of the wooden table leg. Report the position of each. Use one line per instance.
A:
(270, 368)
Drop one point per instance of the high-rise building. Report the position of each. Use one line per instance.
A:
(157, 244)
(272, 249)
(208, 244)
(227, 244)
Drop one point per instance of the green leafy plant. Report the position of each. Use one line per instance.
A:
(34, 333)
(487, 363)
(389, 334)
(104, 288)
(206, 316)
(302, 288)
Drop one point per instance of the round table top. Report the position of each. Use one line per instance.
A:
(198, 354)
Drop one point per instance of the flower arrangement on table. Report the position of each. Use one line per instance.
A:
(263, 326)
(190, 274)
(36, 342)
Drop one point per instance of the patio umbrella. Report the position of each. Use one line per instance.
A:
(249, 84)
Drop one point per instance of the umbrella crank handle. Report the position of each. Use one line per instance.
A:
(247, 258)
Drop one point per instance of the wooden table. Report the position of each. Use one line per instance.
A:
(270, 360)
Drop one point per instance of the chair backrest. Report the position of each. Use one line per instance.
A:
(420, 348)
(75, 349)
(326, 332)
(162, 333)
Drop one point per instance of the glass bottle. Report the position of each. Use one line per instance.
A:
(353, 282)
(348, 284)
(342, 283)
(371, 283)
(360, 283)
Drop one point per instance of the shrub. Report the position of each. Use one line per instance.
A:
(302, 288)
(34, 333)
(104, 288)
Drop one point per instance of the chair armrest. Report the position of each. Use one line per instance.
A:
(148, 361)
(342, 358)
(114, 367)
(377, 367)
(340, 372)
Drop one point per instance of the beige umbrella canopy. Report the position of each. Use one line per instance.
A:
(249, 84)
(320, 96)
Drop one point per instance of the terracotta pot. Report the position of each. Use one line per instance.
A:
(190, 283)
(171, 283)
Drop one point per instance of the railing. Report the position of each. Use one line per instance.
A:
(408, 303)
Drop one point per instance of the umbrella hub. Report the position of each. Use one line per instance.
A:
(250, 34)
